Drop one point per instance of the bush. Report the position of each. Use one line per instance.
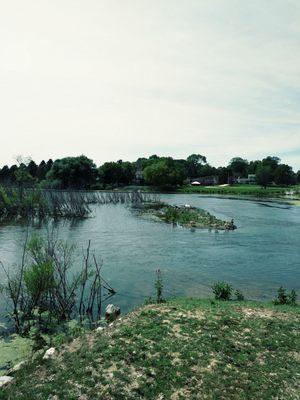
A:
(239, 295)
(285, 298)
(222, 291)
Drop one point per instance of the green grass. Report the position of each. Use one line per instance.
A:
(247, 190)
(184, 349)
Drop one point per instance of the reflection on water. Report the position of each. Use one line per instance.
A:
(260, 256)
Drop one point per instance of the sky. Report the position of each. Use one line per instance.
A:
(121, 79)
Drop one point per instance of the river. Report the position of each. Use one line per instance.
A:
(262, 254)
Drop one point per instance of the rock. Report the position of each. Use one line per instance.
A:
(16, 368)
(49, 353)
(112, 312)
(5, 380)
(100, 329)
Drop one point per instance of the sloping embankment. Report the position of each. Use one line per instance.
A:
(185, 349)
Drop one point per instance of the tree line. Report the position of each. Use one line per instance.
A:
(82, 173)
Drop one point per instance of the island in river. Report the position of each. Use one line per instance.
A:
(185, 215)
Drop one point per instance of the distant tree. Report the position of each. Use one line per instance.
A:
(223, 174)
(49, 164)
(165, 172)
(263, 175)
(12, 173)
(32, 168)
(253, 166)
(116, 173)
(239, 166)
(298, 176)
(41, 171)
(5, 174)
(73, 172)
(271, 161)
(194, 163)
(207, 170)
(284, 175)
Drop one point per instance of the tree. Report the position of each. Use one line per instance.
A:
(263, 175)
(5, 174)
(165, 172)
(73, 173)
(194, 163)
(253, 165)
(239, 166)
(32, 168)
(298, 176)
(272, 162)
(41, 171)
(223, 174)
(284, 175)
(116, 173)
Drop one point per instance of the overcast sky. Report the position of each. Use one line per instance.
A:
(119, 79)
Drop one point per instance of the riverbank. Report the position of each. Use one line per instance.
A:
(240, 190)
(184, 349)
(237, 190)
(186, 216)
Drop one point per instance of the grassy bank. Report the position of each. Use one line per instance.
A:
(184, 349)
(245, 190)
(235, 190)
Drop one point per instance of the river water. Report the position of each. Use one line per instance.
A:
(262, 254)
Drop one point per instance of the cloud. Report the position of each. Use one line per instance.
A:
(117, 79)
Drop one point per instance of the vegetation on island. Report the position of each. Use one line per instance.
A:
(162, 172)
(187, 216)
(181, 349)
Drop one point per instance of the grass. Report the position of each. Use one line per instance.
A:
(247, 190)
(13, 350)
(184, 349)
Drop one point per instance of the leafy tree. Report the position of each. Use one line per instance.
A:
(116, 173)
(284, 175)
(238, 166)
(5, 174)
(263, 175)
(194, 163)
(271, 161)
(298, 176)
(41, 171)
(253, 165)
(223, 174)
(32, 168)
(12, 173)
(165, 172)
(73, 172)
(207, 170)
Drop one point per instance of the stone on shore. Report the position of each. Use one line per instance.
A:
(5, 380)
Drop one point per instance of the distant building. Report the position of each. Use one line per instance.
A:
(251, 180)
(205, 180)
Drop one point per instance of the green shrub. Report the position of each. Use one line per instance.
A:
(222, 291)
(159, 287)
(292, 298)
(239, 295)
(285, 298)
(39, 281)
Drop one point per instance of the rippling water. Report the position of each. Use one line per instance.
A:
(262, 254)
